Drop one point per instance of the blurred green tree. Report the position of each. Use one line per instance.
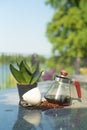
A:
(67, 30)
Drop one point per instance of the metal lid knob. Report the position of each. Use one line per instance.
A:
(64, 73)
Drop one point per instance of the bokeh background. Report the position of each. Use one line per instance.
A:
(55, 31)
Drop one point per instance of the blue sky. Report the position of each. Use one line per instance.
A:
(23, 26)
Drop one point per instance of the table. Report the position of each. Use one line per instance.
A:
(15, 117)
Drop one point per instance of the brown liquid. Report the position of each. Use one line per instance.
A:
(62, 100)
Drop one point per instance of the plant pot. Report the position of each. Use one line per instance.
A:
(29, 94)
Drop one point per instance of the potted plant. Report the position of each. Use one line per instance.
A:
(27, 78)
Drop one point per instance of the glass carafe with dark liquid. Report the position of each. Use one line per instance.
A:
(60, 90)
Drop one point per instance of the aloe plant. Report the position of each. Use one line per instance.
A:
(25, 73)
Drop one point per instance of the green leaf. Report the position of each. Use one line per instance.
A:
(31, 68)
(26, 74)
(35, 77)
(34, 68)
(28, 67)
(18, 64)
(17, 74)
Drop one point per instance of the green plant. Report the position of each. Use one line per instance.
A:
(25, 73)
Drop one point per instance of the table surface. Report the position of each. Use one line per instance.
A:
(15, 117)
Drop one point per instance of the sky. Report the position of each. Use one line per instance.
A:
(23, 27)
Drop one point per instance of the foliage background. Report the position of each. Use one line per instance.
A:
(67, 32)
